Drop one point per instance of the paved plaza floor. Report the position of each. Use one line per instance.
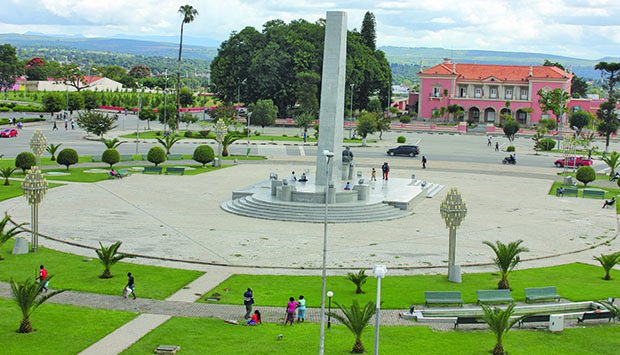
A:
(180, 217)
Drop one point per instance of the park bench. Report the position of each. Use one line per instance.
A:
(541, 293)
(152, 169)
(126, 157)
(494, 296)
(467, 320)
(595, 315)
(443, 297)
(175, 170)
(123, 172)
(593, 193)
(175, 157)
(539, 318)
(571, 191)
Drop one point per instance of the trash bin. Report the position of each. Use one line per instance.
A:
(556, 322)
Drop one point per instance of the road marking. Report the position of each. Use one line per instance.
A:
(302, 152)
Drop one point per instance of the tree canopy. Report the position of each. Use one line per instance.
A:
(368, 31)
(10, 67)
(263, 113)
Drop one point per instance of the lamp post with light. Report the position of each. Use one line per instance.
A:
(351, 117)
(249, 116)
(453, 210)
(330, 294)
(35, 186)
(380, 271)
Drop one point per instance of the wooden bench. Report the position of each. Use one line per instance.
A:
(595, 315)
(571, 191)
(443, 297)
(541, 293)
(152, 169)
(175, 171)
(175, 157)
(593, 193)
(467, 320)
(494, 296)
(539, 318)
(126, 157)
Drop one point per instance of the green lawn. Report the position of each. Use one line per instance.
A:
(153, 135)
(80, 273)
(609, 194)
(59, 329)
(46, 161)
(201, 336)
(598, 176)
(76, 174)
(577, 282)
(15, 189)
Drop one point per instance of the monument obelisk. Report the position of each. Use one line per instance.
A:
(331, 114)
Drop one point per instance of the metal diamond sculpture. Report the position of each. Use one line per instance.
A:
(453, 210)
(34, 187)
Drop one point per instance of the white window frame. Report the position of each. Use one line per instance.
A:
(462, 91)
(508, 93)
(524, 94)
(436, 91)
(493, 93)
(478, 93)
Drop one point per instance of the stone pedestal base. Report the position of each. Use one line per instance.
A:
(454, 273)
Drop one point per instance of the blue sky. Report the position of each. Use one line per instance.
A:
(578, 28)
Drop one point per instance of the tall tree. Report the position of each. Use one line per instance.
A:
(608, 119)
(189, 15)
(369, 32)
(556, 101)
(307, 92)
(71, 75)
(578, 86)
(263, 113)
(610, 74)
(10, 68)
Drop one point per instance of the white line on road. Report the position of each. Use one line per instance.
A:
(302, 152)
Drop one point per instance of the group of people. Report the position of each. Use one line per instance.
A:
(490, 144)
(302, 178)
(294, 309)
(43, 280)
(13, 122)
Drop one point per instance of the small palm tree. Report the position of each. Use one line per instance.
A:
(612, 308)
(358, 279)
(356, 319)
(28, 297)
(229, 139)
(500, 323)
(5, 235)
(608, 261)
(612, 160)
(6, 172)
(111, 143)
(52, 149)
(506, 258)
(168, 142)
(108, 257)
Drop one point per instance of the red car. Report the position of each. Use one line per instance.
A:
(572, 162)
(8, 133)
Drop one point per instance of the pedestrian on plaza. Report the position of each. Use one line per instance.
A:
(373, 175)
(301, 309)
(386, 170)
(72, 124)
(305, 136)
(43, 277)
(131, 286)
(248, 301)
(489, 141)
(55, 128)
(291, 308)
(66, 124)
(347, 187)
(293, 177)
(497, 146)
(255, 320)
(423, 162)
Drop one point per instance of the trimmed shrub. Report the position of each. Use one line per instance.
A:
(67, 157)
(188, 134)
(204, 133)
(586, 174)
(510, 148)
(25, 161)
(156, 155)
(405, 119)
(110, 156)
(547, 144)
(203, 154)
(401, 139)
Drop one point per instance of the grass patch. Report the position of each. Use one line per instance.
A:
(45, 161)
(80, 273)
(610, 192)
(75, 174)
(576, 282)
(598, 176)
(199, 336)
(15, 189)
(154, 135)
(60, 329)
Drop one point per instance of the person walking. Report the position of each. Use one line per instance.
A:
(66, 124)
(248, 301)
(423, 162)
(131, 285)
(55, 128)
(489, 141)
(301, 309)
(291, 307)
(43, 277)
(386, 170)
(373, 175)
(497, 146)
(72, 123)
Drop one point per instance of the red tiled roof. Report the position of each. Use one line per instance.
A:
(500, 72)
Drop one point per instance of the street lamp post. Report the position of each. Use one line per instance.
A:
(249, 116)
(328, 155)
(220, 132)
(453, 210)
(380, 271)
(38, 144)
(351, 117)
(138, 116)
(35, 186)
(330, 294)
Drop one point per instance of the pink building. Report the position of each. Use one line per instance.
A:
(483, 90)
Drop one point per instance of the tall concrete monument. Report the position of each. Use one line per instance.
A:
(331, 115)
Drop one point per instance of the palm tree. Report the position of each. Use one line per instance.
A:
(6, 235)
(500, 323)
(168, 142)
(608, 261)
(612, 308)
(358, 279)
(28, 297)
(189, 15)
(109, 257)
(506, 258)
(111, 143)
(6, 172)
(612, 160)
(229, 139)
(52, 149)
(356, 319)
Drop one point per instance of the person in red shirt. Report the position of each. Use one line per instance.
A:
(43, 277)
(255, 320)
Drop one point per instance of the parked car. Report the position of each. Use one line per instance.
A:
(410, 150)
(8, 133)
(573, 162)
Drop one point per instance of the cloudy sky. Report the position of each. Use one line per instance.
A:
(578, 28)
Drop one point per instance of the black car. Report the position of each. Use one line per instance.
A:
(410, 150)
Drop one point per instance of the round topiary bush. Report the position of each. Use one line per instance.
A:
(547, 144)
(204, 133)
(405, 119)
(586, 174)
(401, 139)
(203, 154)
(110, 156)
(510, 148)
(188, 134)
(156, 155)
(25, 161)
(67, 157)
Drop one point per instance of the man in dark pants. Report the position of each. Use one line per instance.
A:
(130, 284)
(423, 162)
(248, 301)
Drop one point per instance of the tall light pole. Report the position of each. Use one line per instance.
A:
(328, 155)
(165, 102)
(249, 116)
(330, 294)
(453, 210)
(380, 271)
(351, 117)
(141, 88)
(35, 186)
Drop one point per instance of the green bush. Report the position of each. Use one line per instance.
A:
(401, 139)
(110, 156)
(156, 155)
(547, 144)
(586, 174)
(510, 148)
(204, 133)
(203, 154)
(67, 157)
(405, 119)
(25, 161)
(188, 134)
(257, 133)
(158, 133)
